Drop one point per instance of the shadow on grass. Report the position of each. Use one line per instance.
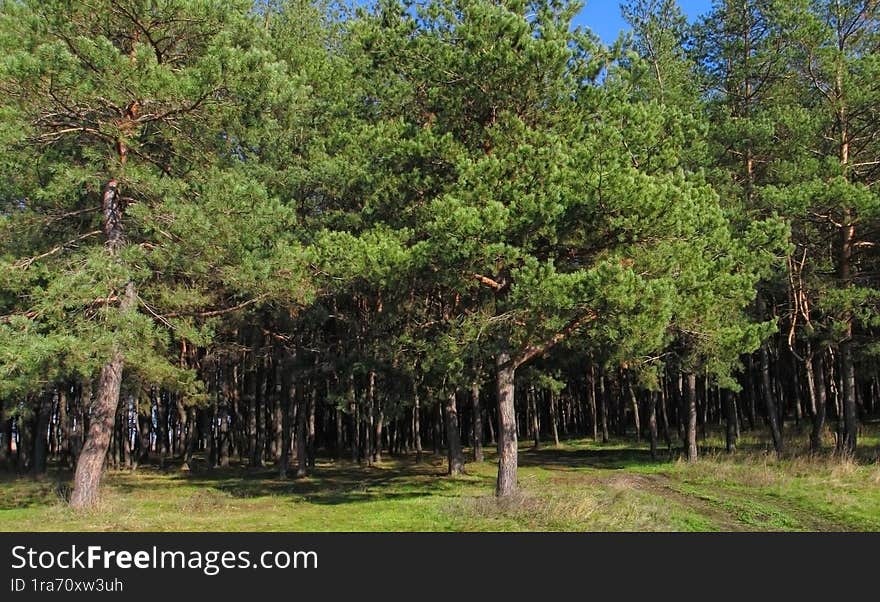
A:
(601, 458)
(331, 483)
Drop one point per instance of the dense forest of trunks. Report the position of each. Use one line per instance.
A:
(266, 408)
(267, 233)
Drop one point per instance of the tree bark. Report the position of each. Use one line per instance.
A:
(41, 433)
(770, 402)
(478, 422)
(592, 399)
(301, 413)
(5, 437)
(816, 380)
(554, 418)
(533, 408)
(417, 419)
(635, 406)
(506, 484)
(90, 464)
(603, 408)
(730, 416)
(454, 455)
(691, 430)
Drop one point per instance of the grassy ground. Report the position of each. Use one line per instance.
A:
(580, 486)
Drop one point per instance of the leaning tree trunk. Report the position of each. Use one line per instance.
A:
(454, 454)
(507, 441)
(90, 464)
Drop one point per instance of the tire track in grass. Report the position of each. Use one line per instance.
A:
(758, 510)
(659, 485)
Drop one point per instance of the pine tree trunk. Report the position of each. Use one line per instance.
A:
(478, 422)
(369, 426)
(417, 426)
(90, 464)
(816, 382)
(730, 416)
(144, 421)
(490, 422)
(507, 441)
(691, 430)
(41, 434)
(635, 406)
(554, 418)
(533, 409)
(770, 402)
(277, 411)
(288, 395)
(664, 419)
(592, 399)
(850, 412)
(603, 408)
(5, 437)
(652, 423)
(64, 423)
(454, 455)
(301, 413)
(380, 426)
(250, 386)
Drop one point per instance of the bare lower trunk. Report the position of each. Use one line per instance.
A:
(288, 395)
(41, 434)
(770, 402)
(301, 412)
(90, 464)
(635, 406)
(454, 454)
(691, 430)
(730, 415)
(652, 423)
(355, 440)
(5, 437)
(850, 415)
(417, 429)
(507, 441)
(816, 380)
(478, 422)
(603, 408)
(533, 408)
(554, 418)
(592, 398)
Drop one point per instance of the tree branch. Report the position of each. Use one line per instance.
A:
(533, 351)
(493, 284)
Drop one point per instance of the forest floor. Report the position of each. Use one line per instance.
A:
(578, 486)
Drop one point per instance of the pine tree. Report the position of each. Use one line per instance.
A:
(132, 216)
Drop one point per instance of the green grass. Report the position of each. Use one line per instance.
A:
(580, 486)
